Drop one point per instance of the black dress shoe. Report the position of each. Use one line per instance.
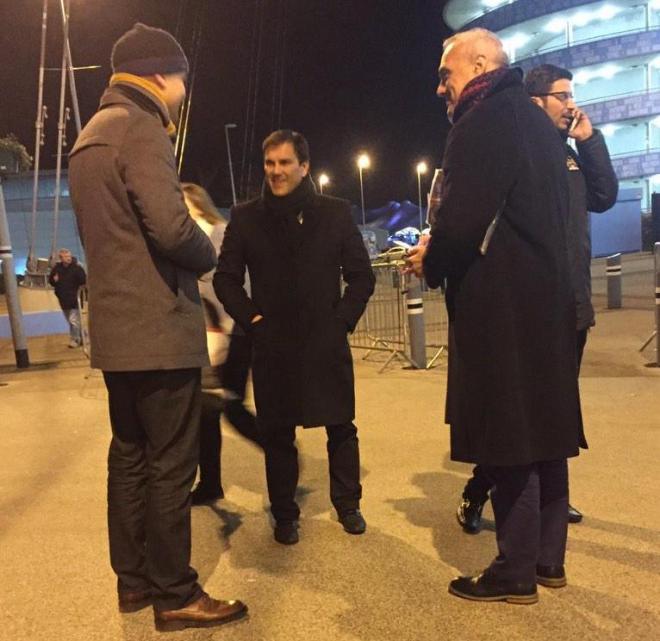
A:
(551, 576)
(574, 516)
(485, 587)
(353, 522)
(134, 600)
(203, 495)
(286, 532)
(469, 515)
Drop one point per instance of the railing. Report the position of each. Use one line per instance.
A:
(618, 96)
(384, 326)
(638, 152)
(576, 43)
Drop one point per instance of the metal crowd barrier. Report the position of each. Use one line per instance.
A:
(384, 327)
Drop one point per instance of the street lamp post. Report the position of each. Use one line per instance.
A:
(229, 126)
(323, 181)
(363, 163)
(422, 168)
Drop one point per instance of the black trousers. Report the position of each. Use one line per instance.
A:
(282, 469)
(530, 503)
(151, 469)
(210, 441)
(234, 378)
(479, 485)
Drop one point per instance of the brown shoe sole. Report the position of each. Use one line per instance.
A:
(517, 599)
(175, 625)
(548, 582)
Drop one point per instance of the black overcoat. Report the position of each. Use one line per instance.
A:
(512, 392)
(302, 368)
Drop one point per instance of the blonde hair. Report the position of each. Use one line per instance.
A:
(201, 200)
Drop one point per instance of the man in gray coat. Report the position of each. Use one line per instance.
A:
(147, 332)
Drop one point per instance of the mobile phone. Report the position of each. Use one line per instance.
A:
(573, 124)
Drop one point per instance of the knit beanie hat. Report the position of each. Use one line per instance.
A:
(145, 51)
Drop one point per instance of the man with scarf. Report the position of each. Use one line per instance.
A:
(499, 246)
(146, 326)
(592, 187)
(297, 246)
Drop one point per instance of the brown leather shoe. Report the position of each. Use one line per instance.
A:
(203, 613)
(134, 600)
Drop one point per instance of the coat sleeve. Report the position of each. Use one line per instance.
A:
(82, 276)
(230, 275)
(479, 168)
(599, 176)
(51, 276)
(356, 272)
(148, 169)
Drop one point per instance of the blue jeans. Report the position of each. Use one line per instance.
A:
(73, 318)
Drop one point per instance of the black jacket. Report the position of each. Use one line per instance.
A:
(592, 186)
(69, 279)
(512, 392)
(302, 367)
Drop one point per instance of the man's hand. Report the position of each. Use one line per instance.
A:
(580, 128)
(415, 256)
(256, 319)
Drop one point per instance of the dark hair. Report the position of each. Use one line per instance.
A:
(279, 137)
(200, 198)
(539, 79)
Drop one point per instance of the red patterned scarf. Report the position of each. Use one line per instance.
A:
(477, 89)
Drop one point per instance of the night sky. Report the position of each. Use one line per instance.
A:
(354, 75)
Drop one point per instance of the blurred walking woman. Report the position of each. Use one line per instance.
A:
(218, 331)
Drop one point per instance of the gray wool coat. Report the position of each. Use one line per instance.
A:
(144, 252)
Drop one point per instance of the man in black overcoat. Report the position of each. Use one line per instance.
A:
(499, 245)
(297, 246)
(592, 187)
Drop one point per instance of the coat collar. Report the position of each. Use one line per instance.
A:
(126, 89)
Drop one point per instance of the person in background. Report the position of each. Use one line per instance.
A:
(215, 394)
(67, 276)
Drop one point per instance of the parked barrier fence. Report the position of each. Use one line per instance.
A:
(403, 319)
(656, 332)
(613, 271)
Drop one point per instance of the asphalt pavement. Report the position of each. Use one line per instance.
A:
(390, 583)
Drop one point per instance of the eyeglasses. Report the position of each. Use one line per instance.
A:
(562, 96)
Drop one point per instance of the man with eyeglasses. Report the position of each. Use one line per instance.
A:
(592, 186)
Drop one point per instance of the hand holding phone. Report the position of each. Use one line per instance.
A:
(580, 127)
